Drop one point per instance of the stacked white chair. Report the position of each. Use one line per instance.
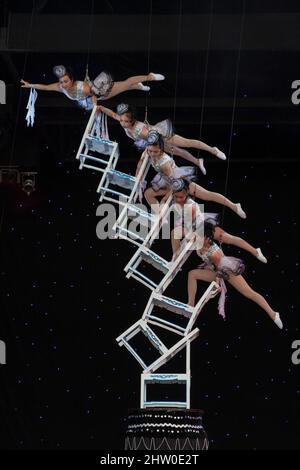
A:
(88, 154)
(185, 333)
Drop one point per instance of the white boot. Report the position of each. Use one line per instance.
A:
(278, 321)
(220, 154)
(240, 211)
(143, 87)
(156, 76)
(260, 256)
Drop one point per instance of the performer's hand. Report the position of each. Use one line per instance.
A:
(94, 100)
(99, 108)
(25, 84)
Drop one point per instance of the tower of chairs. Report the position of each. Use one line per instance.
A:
(161, 313)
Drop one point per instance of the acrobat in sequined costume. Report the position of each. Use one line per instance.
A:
(220, 268)
(188, 216)
(168, 171)
(87, 92)
(173, 143)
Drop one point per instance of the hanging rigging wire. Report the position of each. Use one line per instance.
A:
(234, 100)
(91, 27)
(148, 62)
(177, 59)
(177, 63)
(205, 70)
(100, 127)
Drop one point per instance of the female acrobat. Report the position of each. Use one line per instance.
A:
(186, 208)
(87, 92)
(173, 143)
(219, 267)
(168, 171)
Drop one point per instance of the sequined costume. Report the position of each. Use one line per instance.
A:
(102, 85)
(161, 180)
(165, 128)
(200, 217)
(226, 266)
(77, 94)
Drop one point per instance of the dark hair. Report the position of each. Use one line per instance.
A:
(70, 73)
(180, 184)
(124, 108)
(155, 138)
(209, 232)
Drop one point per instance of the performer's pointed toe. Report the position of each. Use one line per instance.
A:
(240, 211)
(277, 320)
(220, 154)
(201, 166)
(260, 256)
(143, 87)
(157, 76)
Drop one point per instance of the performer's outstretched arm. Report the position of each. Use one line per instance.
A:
(94, 99)
(109, 112)
(40, 86)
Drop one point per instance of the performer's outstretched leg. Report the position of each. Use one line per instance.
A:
(197, 144)
(133, 83)
(205, 195)
(224, 237)
(240, 284)
(173, 149)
